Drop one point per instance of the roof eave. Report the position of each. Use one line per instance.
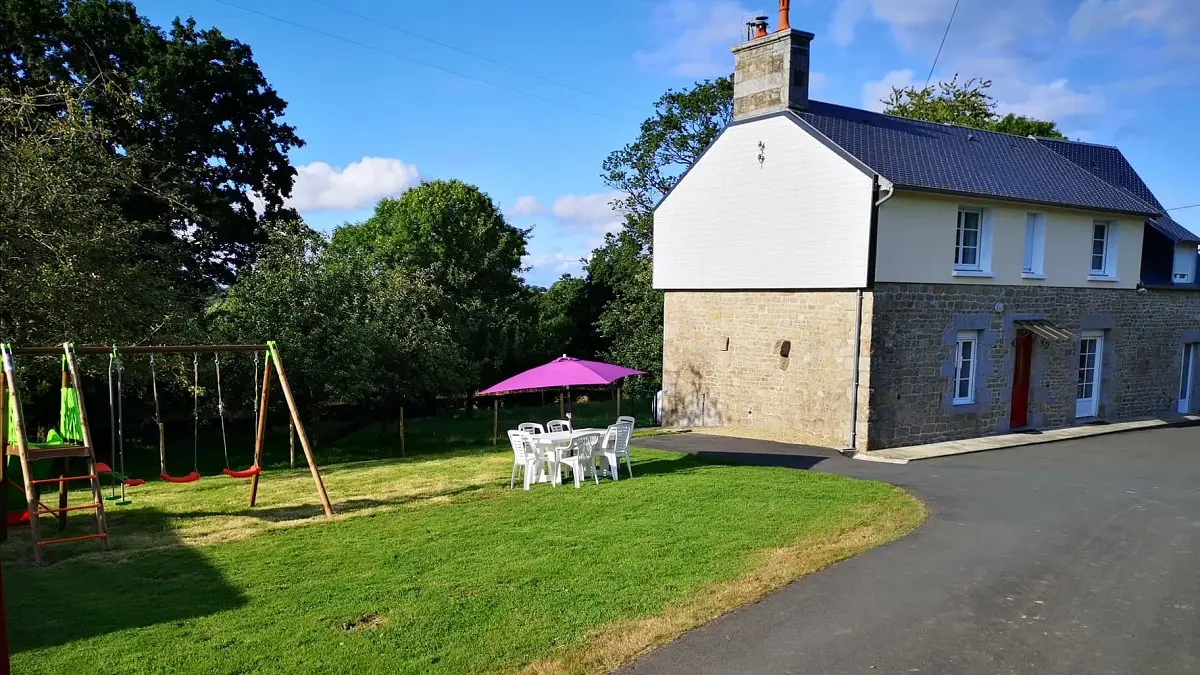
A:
(1018, 200)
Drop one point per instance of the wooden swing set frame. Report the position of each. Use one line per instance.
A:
(28, 452)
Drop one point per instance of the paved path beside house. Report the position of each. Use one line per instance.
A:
(1000, 441)
(1081, 556)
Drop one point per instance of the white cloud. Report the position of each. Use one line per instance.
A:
(595, 212)
(321, 187)
(1055, 101)
(875, 91)
(1096, 17)
(545, 267)
(694, 37)
(526, 205)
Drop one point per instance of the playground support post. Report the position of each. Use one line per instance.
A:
(291, 444)
(260, 428)
(304, 445)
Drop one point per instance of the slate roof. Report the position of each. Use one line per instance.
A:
(1108, 164)
(921, 155)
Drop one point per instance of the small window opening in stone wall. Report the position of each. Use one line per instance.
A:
(723, 344)
(785, 348)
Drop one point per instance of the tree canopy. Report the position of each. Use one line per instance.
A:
(191, 102)
(968, 104)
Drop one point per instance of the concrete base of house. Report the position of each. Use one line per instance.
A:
(1000, 441)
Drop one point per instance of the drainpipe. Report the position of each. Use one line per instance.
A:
(858, 306)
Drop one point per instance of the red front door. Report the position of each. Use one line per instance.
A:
(1020, 383)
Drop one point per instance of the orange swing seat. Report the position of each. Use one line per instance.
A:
(244, 473)
(190, 478)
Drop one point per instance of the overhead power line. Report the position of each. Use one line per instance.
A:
(943, 44)
(410, 59)
(1180, 208)
(404, 31)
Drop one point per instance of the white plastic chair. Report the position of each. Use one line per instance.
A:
(582, 459)
(615, 446)
(531, 428)
(627, 419)
(526, 456)
(558, 425)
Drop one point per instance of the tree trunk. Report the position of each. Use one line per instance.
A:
(470, 404)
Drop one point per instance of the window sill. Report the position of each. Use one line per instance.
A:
(1032, 275)
(958, 404)
(972, 273)
(1101, 277)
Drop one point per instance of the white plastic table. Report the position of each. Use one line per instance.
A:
(550, 442)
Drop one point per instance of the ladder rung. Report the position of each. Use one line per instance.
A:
(47, 542)
(67, 479)
(46, 509)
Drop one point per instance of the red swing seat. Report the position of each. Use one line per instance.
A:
(245, 473)
(190, 478)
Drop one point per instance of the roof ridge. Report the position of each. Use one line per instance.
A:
(943, 124)
(1075, 142)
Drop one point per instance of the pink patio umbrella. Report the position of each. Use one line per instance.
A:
(561, 372)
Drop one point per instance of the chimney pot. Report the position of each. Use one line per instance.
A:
(784, 24)
(760, 26)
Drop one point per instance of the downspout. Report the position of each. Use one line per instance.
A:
(876, 202)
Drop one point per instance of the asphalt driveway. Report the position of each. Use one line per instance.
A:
(1072, 557)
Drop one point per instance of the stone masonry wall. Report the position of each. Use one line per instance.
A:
(722, 363)
(914, 331)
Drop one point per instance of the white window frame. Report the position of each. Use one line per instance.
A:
(965, 337)
(1109, 272)
(1187, 374)
(1090, 407)
(983, 253)
(1033, 263)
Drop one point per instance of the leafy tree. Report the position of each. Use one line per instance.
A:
(74, 265)
(567, 312)
(192, 102)
(453, 233)
(351, 332)
(968, 104)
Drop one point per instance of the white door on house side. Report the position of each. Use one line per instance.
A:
(1087, 396)
(1185, 378)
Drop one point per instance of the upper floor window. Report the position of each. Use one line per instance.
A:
(972, 240)
(1104, 250)
(1035, 245)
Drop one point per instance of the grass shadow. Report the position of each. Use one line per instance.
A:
(81, 596)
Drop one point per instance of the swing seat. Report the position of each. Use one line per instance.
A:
(190, 478)
(245, 473)
(134, 482)
(101, 467)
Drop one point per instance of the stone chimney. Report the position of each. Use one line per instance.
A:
(770, 71)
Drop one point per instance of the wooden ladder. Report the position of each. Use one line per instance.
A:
(61, 452)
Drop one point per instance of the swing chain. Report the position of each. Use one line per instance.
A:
(221, 406)
(196, 412)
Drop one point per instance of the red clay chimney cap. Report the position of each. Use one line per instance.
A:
(784, 24)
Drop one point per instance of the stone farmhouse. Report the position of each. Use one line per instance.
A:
(851, 279)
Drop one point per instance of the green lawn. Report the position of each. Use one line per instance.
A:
(431, 566)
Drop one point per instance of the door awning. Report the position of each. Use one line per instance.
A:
(1045, 328)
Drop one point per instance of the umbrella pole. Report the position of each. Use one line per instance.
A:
(569, 404)
(562, 411)
(495, 419)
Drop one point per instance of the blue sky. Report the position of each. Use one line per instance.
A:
(564, 83)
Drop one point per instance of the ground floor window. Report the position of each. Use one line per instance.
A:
(1087, 391)
(1185, 378)
(965, 361)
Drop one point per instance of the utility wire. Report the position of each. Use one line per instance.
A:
(1180, 208)
(419, 62)
(460, 50)
(943, 44)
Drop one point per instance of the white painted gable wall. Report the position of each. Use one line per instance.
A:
(801, 219)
